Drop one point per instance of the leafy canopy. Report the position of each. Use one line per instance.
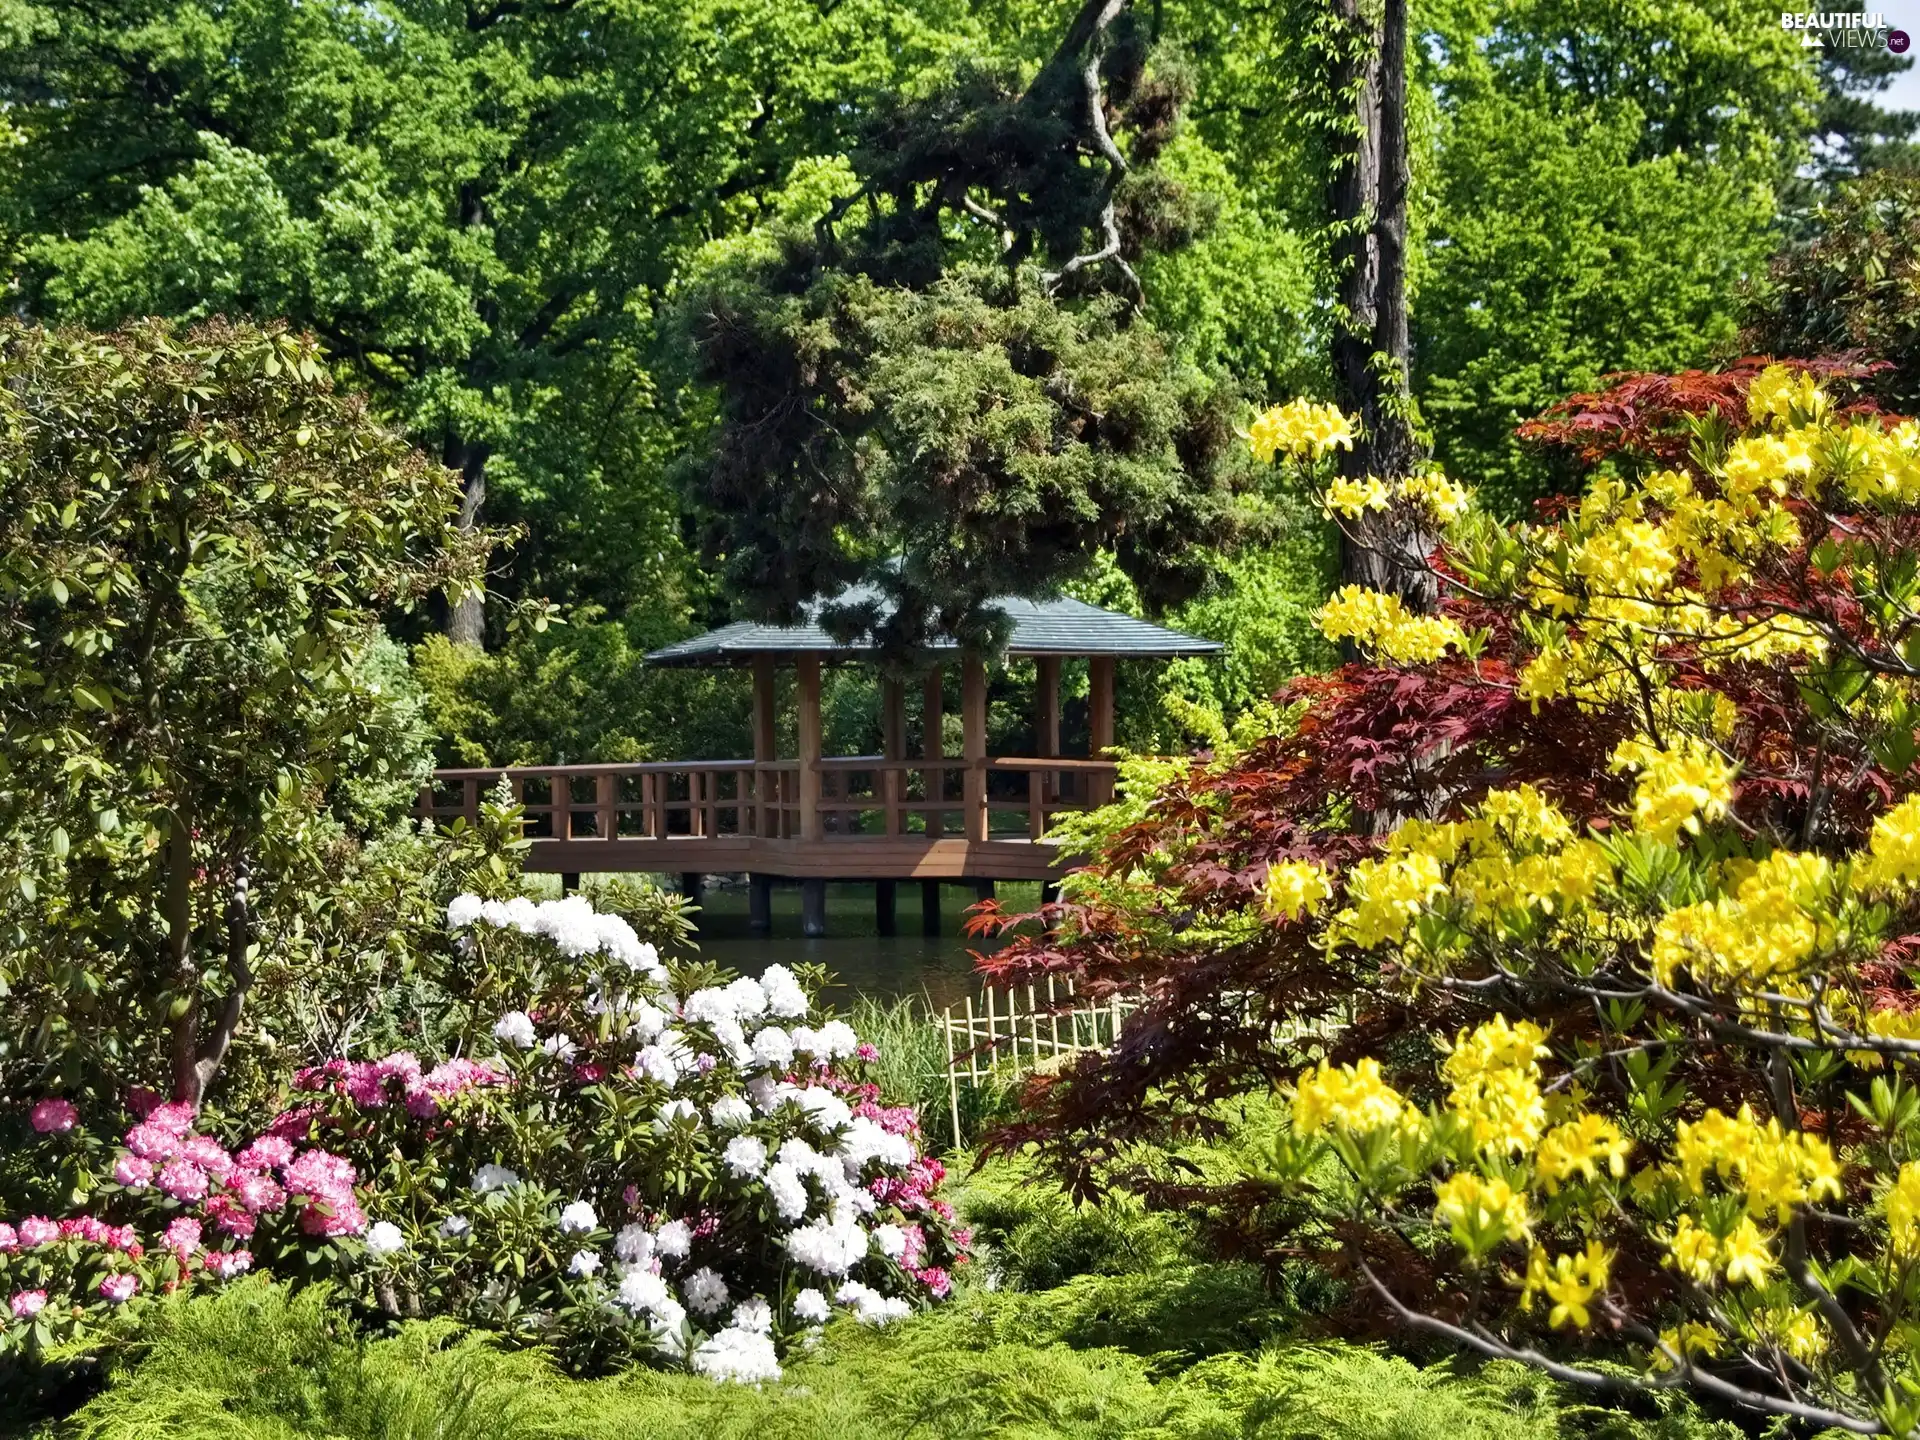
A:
(199, 540)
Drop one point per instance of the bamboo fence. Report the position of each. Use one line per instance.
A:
(1013, 1031)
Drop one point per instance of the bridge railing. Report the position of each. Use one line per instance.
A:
(859, 796)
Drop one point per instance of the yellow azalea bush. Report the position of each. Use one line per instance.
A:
(1590, 963)
(1685, 1131)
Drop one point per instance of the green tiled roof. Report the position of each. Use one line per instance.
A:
(1040, 627)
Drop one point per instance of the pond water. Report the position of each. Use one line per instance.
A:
(907, 963)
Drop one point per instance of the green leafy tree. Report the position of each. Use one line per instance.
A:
(1854, 284)
(946, 386)
(198, 537)
(476, 205)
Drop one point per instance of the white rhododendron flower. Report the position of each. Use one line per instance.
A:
(560, 1047)
(828, 1247)
(787, 1191)
(515, 1028)
(785, 999)
(657, 1063)
(634, 1244)
(773, 1048)
(642, 1290)
(489, 1178)
(462, 911)
(384, 1238)
(578, 1218)
(583, 1263)
(827, 1109)
(753, 1314)
(730, 1112)
(741, 1357)
(891, 1240)
(454, 1226)
(674, 1239)
(864, 1140)
(705, 1291)
(676, 1112)
(811, 1306)
(869, 1306)
(745, 1156)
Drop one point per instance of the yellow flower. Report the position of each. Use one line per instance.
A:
(1775, 1168)
(1496, 1091)
(1569, 1281)
(1353, 498)
(1299, 429)
(1480, 1212)
(1893, 849)
(1687, 1339)
(1903, 1212)
(1779, 391)
(1295, 887)
(1693, 1251)
(1378, 621)
(1384, 896)
(1677, 785)
(1436, 494)
(1349, 1097)
(1772, 925)
(1746, 1253)
(1797, 1332)
(1582, 1146)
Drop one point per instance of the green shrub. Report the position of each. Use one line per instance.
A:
(252, 1364)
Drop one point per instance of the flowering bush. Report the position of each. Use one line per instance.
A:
(1630, 828)
(625, 1173)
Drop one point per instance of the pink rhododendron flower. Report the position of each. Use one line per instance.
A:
(173, 1117)
(183, 1180)
(38, 1230)
(937, 1281)
(153, 1142)
(269, 1152)
(229, 1218)
(257, 1193)
(29, 1303)
(333, 1218)
(53, 1117)
(9, 1238)
(122, 1238)
(183, 1237)
(209, 1154)
(118, 1289)
(322, 1176)
(866, 1051)
(366, 1086)
(229, 1263)
(132, 1172)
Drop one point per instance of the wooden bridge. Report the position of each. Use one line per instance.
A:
(814, 817)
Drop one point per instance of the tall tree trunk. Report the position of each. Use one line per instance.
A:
(467, 616)
(1371, 345)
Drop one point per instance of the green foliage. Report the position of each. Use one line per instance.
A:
(252, 1365)
(1853, 285)
(943, 386)
(199, 536)
(478, 206)
(1603, 183)
(575, 693)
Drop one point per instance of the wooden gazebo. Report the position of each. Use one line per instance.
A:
(813, 817)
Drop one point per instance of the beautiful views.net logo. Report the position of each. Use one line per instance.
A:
(1844, 29)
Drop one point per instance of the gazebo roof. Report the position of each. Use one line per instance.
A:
(1063, 627)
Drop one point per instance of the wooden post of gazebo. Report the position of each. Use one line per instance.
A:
(1042, 786)
(1100, 720)
(766, 790)
(973, 733)
(813, 893)
(893, 749)
(933, 713)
